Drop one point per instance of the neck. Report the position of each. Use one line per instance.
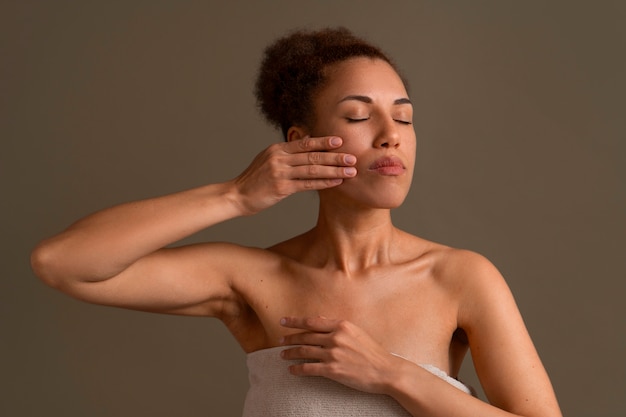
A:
(351, 240)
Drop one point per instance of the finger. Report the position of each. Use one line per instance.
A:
(322, 158)
(309, 144)
(310, 369)
(305, 338)
(314, 357)
(315, 324)
(304, 352)
(309, 184)
(321, 172)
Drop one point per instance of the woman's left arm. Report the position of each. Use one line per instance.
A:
(506, 362)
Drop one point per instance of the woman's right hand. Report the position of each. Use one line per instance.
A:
(287, 168)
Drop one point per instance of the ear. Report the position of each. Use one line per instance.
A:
(296, 133)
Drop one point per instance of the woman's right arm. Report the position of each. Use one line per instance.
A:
(116, 256)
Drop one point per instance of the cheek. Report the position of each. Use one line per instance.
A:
(355, 139)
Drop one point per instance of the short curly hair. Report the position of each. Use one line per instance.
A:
(293, 69)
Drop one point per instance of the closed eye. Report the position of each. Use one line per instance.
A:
(404, 122)
(355, 120)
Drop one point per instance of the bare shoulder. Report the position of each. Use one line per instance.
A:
(448, 263)
(469, 278)
(503, 354)
(464, 269)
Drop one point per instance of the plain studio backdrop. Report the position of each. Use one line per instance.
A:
(519, 114)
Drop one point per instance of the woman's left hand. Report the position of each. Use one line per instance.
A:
(341, 351)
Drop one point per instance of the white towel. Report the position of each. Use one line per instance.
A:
(274, 392)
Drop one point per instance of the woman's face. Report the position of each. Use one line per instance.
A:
(366, 104)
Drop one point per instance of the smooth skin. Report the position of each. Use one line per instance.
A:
(349, 292)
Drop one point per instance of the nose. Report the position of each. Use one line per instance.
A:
(388, 135)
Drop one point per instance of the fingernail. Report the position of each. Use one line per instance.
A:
(350, 159)
(350, 171)
(335, 141)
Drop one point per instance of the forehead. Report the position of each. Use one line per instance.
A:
(372, 77)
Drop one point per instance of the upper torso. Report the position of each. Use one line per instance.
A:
(409, 307)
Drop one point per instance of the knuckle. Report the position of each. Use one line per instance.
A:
(333, 355)
(275, 175)
(344, 326)
(333, 368)
(332, 182)
(274, 161)
(313, 170)
(307, 368)
(309, 184)
(282, 189)
(314, 157)
(305, 144)
(275, 147)
(272, 169)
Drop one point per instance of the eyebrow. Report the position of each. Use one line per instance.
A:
(368, 100)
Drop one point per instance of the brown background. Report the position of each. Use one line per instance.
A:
(520, 121)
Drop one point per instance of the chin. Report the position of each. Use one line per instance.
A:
(382, 200)
(375, 197)
(389, 197)
(391, 203)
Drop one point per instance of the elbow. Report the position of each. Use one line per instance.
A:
(46, 265)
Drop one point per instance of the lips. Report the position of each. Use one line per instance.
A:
(388, 165)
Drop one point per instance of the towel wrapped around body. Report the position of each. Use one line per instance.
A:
(274, 392)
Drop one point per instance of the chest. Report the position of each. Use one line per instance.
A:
(406, 310)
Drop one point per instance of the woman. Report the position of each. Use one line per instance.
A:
(383, 317)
